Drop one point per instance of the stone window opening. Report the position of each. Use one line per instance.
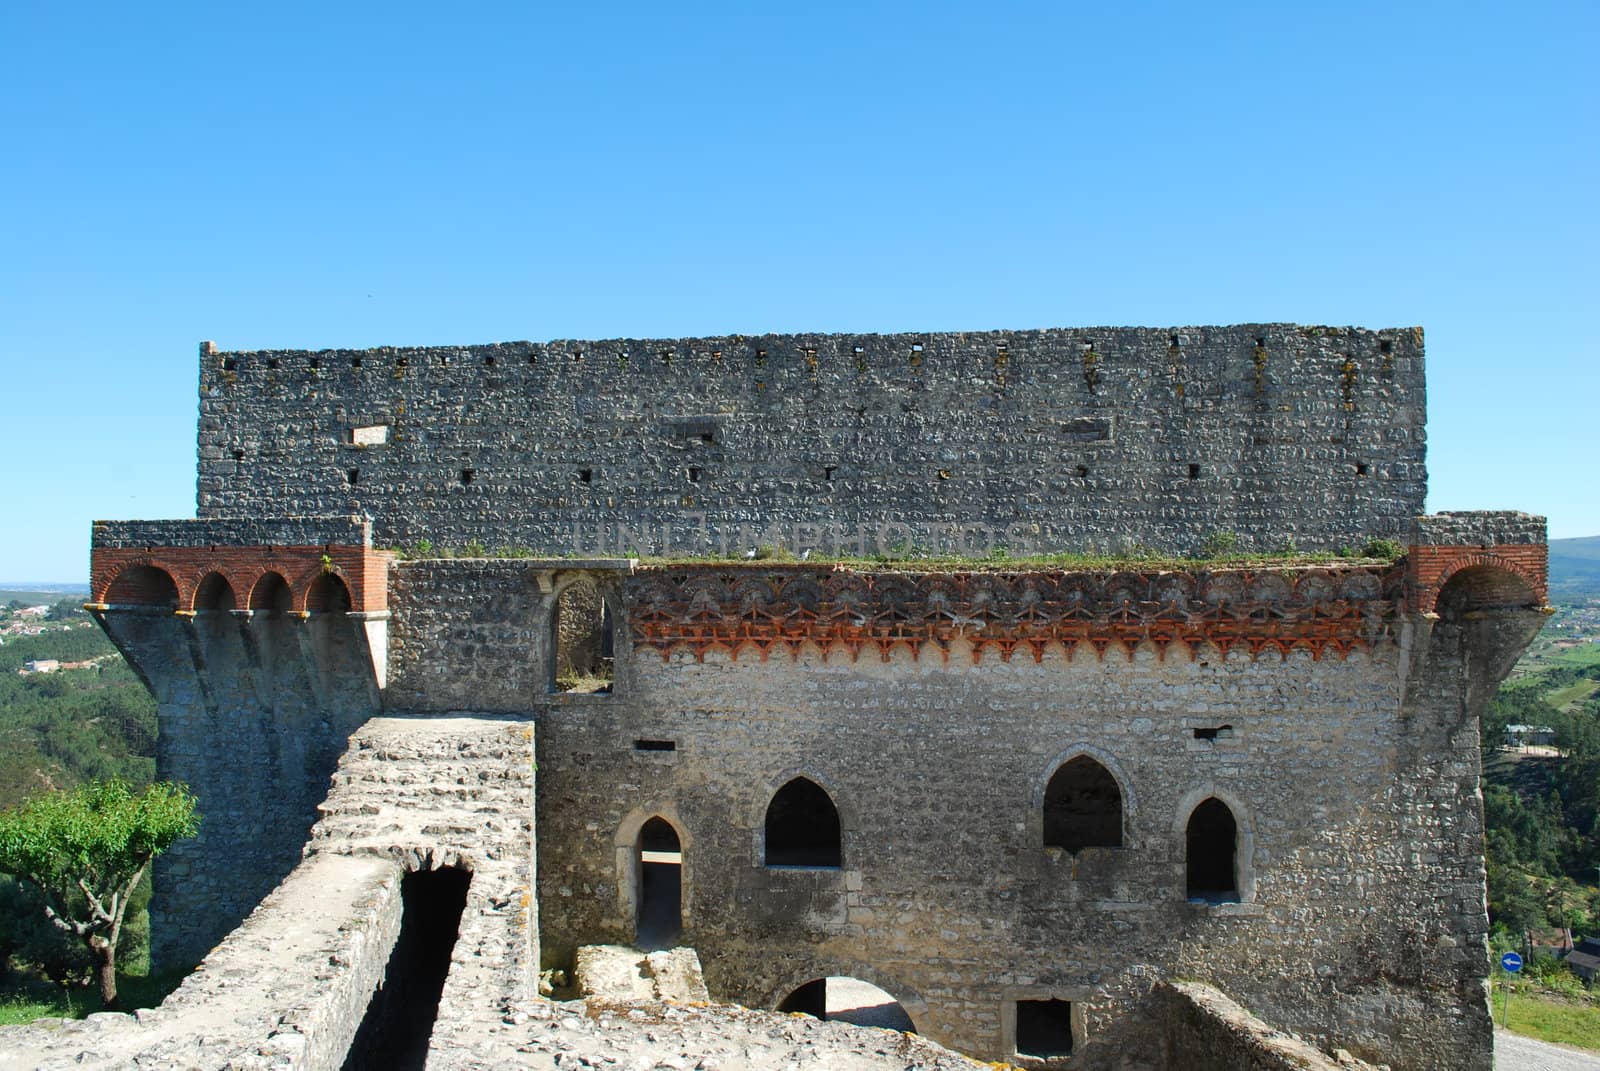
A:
(1211, 854)
(467, 476)
(583, 639)
(802, 827)
(1361, 468)
(1194, 471)
(694, 473)
(1214, 732)
(659, 921)
(655, 745)
(352, 477)
(586, 475)
(1044, 1029)
(1082, 807)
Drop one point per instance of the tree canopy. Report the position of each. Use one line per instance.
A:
(86, 850)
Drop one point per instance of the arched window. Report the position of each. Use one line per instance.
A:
(328, 595)
(582, 639)
(143, 585)
(1082, 807)
(1211, 853)
(849, 1000)
(271, 592)
(214, 594)
(660, 888)
(803, 827)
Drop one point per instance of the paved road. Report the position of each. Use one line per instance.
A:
(1513, 1052)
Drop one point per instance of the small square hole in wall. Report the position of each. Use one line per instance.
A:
(315, 364)
(828, 471)
(1082, 472)
(467, 476)
(655, 745)
(694, 473)
(1214, 732)
(1044, 1029)
(1194, 471)
(708, 436)
(1361, 468)
(229, 364)
(586, 475)
(402, 361)
(272, 363)
(916, 347)
(352, 477)
(355, 362)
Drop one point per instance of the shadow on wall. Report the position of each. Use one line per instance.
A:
(395, 1032)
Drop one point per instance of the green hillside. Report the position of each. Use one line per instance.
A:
(1575, 568)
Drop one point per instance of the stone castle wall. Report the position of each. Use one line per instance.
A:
(1352, 770)
(1032, 440)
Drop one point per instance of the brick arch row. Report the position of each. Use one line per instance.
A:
(188, 579)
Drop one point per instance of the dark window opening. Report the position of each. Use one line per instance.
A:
(405, 362)
(272, 593)
(229, 364)
(395, 1032)
(352, 477)
(583, 641)
(660, 902)
(1385, 346)
(1082, 807)
(467, 476)
(1194, 471)
(708, 436)
(586, 475)
(803, 827)
(488, 361)
(1361, 468)
(694, 473)
(848, 1000)
(143, 585)
(1215, 732)
(444, 358)
(655, 745)
(272, 364)
(214, 594)
(238, 453)
(316, 363)
(1082, 472)
(828, 471)
(1044, 1028)
(328, 595)
(1211, 849)
(355, 362)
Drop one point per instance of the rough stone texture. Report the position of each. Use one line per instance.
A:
(1205, 1031)
(254, 711)
(285, 990)
(273, 530)
(1051, 439)
(1333, 710)
(617, 972)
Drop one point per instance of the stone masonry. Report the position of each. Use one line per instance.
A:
(816, 770)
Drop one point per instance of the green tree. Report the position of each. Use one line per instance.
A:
(86, 850)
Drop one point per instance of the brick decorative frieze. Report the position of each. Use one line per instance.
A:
(758, 610)
(136, 576)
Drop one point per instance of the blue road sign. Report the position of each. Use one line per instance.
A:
(1511, 962)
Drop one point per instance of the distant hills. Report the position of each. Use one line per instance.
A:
(1575, 568)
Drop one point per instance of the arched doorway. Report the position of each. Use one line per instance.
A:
(659, 922)
(802, 827)
(1211, 853)
(848, 1000)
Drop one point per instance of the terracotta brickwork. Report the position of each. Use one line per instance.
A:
(364, 572)
(1514, 574)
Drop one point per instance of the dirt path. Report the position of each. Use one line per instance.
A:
(1513, 1052)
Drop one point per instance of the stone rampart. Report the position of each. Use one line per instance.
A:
(1033, 440)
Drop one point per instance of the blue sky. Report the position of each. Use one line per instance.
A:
(278, 175)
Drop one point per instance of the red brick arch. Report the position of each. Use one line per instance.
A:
(363, 572)
(1518, 567)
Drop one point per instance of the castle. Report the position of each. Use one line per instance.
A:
(1015, 790)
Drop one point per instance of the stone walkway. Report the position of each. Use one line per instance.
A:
(1513, 1052)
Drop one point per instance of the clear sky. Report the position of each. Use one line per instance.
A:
(344, 175)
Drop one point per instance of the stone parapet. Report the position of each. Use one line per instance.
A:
(1504, 555)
